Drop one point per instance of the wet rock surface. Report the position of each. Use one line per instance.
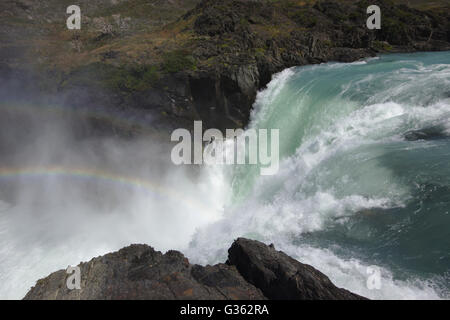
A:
(429, 133)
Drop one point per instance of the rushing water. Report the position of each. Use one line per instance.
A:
(351, 191)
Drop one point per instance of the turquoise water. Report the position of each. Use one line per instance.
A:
(351, 190)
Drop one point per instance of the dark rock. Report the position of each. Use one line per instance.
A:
(224, 52)
(246, 54)
(430, 133)
(253, 271)
(139, 272)
(280, 276)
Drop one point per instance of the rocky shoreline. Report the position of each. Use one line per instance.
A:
(253, 271)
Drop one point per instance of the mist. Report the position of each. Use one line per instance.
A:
(70, 192)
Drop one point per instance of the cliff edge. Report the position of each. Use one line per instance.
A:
(253, 271)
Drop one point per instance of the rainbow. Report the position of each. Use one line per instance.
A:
(119, 119)
(109, 177)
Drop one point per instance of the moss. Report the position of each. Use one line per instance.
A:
(178, 60)
(135, 78)
(382, 46)
(328, 43)
(211, 61)
(260, 52)
(125, 79)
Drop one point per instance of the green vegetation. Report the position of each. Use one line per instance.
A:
(128, 45)
(260, 52)
(125, 79)
(178, 60)
(382, 46)
(136, 78)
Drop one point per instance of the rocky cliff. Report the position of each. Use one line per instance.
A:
(186, 60)
(253, 271)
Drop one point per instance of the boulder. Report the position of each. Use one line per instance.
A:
(254, 271)
(140, 272)
(429, 133)
(281, 277)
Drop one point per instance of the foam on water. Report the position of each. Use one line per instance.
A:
(338, 123)
(343, 184)
(56, 220)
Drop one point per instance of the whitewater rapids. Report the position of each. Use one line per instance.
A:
(351, 191)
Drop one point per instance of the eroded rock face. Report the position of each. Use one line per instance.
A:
(253, 271)
(282, 277)
(208, 64)
(244, 42)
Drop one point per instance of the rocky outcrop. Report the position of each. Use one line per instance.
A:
(281, 277)
(429, 133)
(253, 271)
(140, 272)
(240, 44)
(210, 61)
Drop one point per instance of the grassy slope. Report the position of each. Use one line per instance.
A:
(133, 31)
(139, 39)
(35, 32)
